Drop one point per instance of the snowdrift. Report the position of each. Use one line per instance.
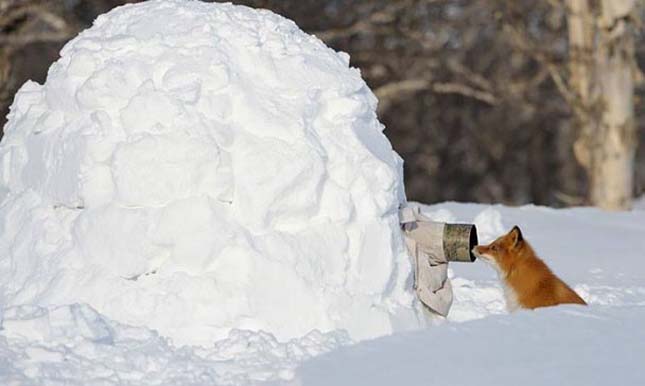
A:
(195, 168)
(565, 345)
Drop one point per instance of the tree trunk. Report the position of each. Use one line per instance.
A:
(601, 76)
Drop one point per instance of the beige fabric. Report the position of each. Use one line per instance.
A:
(424, 239)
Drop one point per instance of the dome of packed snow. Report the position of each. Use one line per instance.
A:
(198, 168)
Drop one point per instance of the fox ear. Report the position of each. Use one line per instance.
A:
(516, 235)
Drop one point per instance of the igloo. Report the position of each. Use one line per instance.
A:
(198, 168)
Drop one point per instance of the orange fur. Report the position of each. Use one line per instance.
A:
(528, 281)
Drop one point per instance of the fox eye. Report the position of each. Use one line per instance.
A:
(494, 247)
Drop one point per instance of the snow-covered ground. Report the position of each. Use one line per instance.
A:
(602, 255)
(564, 346)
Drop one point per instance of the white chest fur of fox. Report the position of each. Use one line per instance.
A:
(527, 280)
(510, 297)
(512, 304)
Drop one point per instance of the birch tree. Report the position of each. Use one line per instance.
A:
(602, 68)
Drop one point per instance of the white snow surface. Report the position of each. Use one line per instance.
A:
(557, 346)
(196, 168)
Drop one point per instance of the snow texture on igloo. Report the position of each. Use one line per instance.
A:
(198, 167)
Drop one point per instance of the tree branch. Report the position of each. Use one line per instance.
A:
(394, 90)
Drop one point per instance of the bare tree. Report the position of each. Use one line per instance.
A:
(597, 81)
(602, 68)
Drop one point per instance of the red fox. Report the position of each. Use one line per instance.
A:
(528, 282)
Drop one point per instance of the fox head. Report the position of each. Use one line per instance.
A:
(503, 250)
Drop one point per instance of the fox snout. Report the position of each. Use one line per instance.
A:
(482, 252)
(478, 251)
